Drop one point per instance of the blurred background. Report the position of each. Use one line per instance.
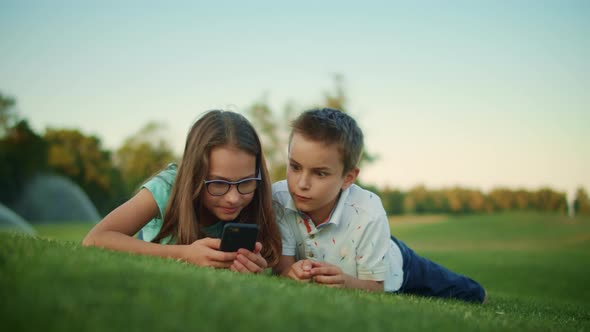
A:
(467, 106)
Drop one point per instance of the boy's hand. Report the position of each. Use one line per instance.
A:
(249, 262)
(300, 270)
(328, 274)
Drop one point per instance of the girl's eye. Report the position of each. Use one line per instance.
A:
(294, 167)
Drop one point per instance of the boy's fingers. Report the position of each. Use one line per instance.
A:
(302, 274)
(297, 273)
(326, 271)
(318, 264)
(306, 265)
(328, 280)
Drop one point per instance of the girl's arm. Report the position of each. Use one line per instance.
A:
(116, 232)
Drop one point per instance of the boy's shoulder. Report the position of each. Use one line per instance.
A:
(280, 192)
(363, 198)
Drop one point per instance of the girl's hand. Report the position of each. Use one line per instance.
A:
(301, 271)
(249, 262)
(328, 274)
(205, 252)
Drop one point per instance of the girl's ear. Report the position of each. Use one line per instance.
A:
(350, 177)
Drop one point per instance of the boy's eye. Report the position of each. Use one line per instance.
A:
(322, 173)
(294, 167)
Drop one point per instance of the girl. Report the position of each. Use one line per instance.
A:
(181, 211)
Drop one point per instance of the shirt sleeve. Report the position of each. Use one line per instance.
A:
(160, 186)
(372, 249)
(287, 235)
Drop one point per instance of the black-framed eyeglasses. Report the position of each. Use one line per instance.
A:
(221, 187)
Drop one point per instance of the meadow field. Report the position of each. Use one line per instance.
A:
(534, 267)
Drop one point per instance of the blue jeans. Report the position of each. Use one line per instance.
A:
(426, 278)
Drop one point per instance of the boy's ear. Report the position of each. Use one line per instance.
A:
(350, 177)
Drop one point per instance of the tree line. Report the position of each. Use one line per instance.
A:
(459, 200)
(111, 177)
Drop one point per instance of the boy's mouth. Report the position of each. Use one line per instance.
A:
(301, 198)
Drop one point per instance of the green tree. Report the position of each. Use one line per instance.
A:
(273, 126)
(581, 202)
(83, 159)
(8, 114)
(273, 136)
(338, 99)
(393, 201)
(546, 199)
(142, 155)
(22, 151)
(501, 199)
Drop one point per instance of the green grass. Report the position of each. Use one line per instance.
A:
(67, 232)
(534, 267)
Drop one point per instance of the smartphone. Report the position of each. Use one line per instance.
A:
(236, 236)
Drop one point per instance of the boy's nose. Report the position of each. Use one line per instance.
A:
(303, 182)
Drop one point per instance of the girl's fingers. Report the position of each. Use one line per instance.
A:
(254, 257)
(239, 267)
(257, 247)
(210, 242)
(252, 266)
(220, 265)
(221, 256)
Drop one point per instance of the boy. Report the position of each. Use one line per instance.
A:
(336, 233)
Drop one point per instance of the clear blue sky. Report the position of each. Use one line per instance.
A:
(470, 93)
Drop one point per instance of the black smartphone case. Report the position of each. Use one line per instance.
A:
(236, 236)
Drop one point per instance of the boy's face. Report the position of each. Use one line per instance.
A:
(314, 176)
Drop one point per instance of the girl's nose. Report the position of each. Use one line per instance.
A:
(232, 195)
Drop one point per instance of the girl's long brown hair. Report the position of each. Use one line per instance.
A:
(184, 210)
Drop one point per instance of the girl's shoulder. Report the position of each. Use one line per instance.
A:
(166, 176)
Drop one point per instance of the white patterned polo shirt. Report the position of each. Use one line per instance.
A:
(356, 237)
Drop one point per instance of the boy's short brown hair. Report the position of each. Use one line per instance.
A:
(332, 126)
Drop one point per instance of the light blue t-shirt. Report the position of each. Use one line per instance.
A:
(160, 187)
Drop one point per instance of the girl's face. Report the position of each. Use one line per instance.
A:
(230, 164)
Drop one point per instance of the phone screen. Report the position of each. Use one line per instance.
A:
(236, 236)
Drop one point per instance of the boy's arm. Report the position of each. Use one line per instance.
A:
(332, 275)
(284, 264)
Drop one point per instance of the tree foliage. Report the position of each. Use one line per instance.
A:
(142, 155)
(8, 114)
(459, 200)
(581, 202)
(22, 151)
(83, 159)
(22, 154)
(274, 126)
